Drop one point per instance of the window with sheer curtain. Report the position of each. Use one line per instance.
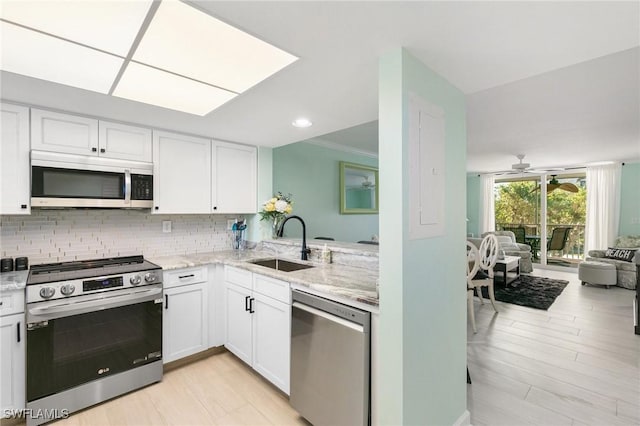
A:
(487, 204)
(603, 206)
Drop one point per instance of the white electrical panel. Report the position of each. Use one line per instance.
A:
(426, 169)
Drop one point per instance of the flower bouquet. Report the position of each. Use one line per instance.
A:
(275, 209)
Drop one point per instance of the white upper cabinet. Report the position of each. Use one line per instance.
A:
(15, 176)
(71, 134)
(181, 173)
(124, 142)
(52, 131)
(234, 182)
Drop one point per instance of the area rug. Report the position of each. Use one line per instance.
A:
(530, 291)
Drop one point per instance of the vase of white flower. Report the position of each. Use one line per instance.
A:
(275, 210)
(277, 221)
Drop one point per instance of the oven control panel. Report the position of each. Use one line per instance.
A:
(71, 288)
(90, 285)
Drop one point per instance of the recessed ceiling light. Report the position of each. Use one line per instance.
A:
(301, 122)
(111, 26)
(186, 41)
(151, 86)
(37, 55)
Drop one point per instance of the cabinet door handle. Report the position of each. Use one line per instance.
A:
(215, 207)
(186, 276)
(246, 303)
(23, 206)
(94, 149)
(166, 301)
(251, 305)
(18, 330)
(157, 208)
(102, 150)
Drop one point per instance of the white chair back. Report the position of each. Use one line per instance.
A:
(489, 253)
(473, 262)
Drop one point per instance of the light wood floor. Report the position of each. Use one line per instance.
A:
(219, 390)
(575, 364)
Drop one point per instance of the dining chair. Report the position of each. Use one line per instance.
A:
(488, 256)
(473, 261)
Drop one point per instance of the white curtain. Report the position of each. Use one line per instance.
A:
(487, 204)
(603, 206)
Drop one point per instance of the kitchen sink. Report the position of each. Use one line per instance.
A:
(281, 265)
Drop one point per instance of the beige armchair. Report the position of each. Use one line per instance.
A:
(508, 244)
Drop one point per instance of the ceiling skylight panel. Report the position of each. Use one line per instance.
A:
(107, 25)
(36, 55)
(186, 41)
(151, 86)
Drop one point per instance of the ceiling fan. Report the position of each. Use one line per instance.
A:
(367, 183)
(520, 168)
(554, 184)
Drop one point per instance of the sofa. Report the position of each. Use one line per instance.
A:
(508, 244)
(626, 272)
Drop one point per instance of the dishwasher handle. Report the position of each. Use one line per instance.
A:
(328, 316)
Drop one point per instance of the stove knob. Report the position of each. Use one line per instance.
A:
(135, 280)
(150, 277)
(47, 292)
(67, 289)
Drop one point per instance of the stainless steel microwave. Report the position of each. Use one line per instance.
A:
(67, 180)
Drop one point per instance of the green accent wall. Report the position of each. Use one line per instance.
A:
(473, 205)
(630, 200)
(311, 174)
(423, 331)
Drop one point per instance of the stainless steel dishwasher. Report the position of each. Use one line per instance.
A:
(330, 353)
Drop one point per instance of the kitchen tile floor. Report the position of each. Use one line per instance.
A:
(575, 364)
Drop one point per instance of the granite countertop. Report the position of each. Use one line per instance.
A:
(15, 280)
(345, 282)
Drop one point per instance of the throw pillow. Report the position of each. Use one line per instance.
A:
(620, 254)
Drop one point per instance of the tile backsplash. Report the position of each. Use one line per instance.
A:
(62, 235)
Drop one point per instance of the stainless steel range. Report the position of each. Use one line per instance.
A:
(94, 331)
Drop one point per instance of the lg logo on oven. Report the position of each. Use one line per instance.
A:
(103, 370)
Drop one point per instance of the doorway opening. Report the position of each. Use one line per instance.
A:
(550, 218)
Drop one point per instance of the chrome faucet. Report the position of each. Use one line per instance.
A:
(305, 251)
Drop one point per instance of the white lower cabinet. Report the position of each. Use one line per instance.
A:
(258, 324)
(185, 319)
(216, 307)
(12, 363)
(239, 322)
(271, 339)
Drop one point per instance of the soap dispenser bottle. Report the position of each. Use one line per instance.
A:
(326, 255)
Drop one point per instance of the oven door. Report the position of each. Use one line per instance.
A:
(77, 340)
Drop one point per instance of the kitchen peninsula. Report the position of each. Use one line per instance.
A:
(350, 278)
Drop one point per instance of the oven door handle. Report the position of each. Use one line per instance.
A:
(71, 308)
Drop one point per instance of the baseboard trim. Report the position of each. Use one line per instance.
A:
(193, 358)
(464, 419)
